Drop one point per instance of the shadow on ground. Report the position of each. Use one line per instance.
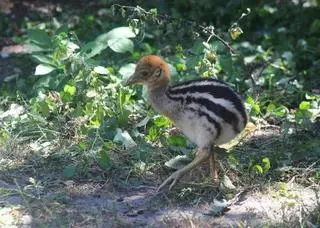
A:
(34, 192)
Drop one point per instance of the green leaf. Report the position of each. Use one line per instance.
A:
(97, 119)
(255, 109)
(93, 48)
(61, 29)
(102, 41)
(127, 70)
(140, 166)
(42, 59)
(303, 116)
(280, 111)
(304, 105)
(101, 70)
(153, 133)
(287, 55)
(311, 97)
(315, 26)
(43, 82)
(181, 67)
(123, 118)
(226, 184)
(258, 168)
(43, 69)
(70, 89)
(178, 162)
(192, 61)
(277, 111)
(271, 108)
(32, 48)
(121, 45)
(65, 97)
(161, 121)
(120, 32)
(266, 162)
(233, 161)
(125, 138)
(108, 146)
(69, 171)
(39, 37)
(44, 109)
(225, 62)
(177, 140)
(143, 122)
(91, 93)
(250, 100)
(104, 160)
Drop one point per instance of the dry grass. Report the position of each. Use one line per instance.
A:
(34, 191)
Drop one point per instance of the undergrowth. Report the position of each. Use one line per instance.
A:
(67, 113)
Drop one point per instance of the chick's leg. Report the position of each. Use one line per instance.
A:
(213, 166)
(203, 155)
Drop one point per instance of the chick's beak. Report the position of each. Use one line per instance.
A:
(133, 79)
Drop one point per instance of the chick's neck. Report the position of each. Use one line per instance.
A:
(159, 100)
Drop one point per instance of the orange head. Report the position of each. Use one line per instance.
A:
(152, 71)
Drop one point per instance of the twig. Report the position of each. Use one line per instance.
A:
(205, 30)
(239, 195)
(213, 34)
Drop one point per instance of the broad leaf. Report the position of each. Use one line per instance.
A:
(121, 45)
(101, 70)
(266, 162)
(61, 29)
(31, 48)
(91, 93)
(178, 162)
(102, 42)
(258, 168)
(69, 171)
(143, 122)
(104, 160)
(162, 121)
(277, 111)
(226, 184)
(304, 105)
(127, 70)
(70, 89)
(42, 59)
(93, 48)
(177, 140)
(43, 69)
(225, 62)
(124, 138)
(121, 32)
(39, 37)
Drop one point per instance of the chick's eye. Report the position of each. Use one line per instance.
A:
(158, 72)
(144, 73)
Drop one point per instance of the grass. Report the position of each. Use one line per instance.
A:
(33, 182)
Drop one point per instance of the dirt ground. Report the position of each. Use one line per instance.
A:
(32, 197)
(90, 206)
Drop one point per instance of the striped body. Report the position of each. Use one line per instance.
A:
(207, 111)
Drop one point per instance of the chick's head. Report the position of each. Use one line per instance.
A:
(151, 71)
